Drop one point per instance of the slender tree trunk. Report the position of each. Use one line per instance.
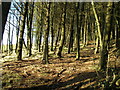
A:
(113, 21)
(112, 24)
(40, 38)
(63, 32)
(78, 33)
(17, 35)
(24, 44)
(29, 46)
(12, 34)
(71, 35)
(85, 31)
(98, 24)
(97, 45)
(46, 35)
(9, 45)
(22, 27)
(57, 37)
(52, 35)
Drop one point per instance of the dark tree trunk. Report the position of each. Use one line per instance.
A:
(78, 33)
(104, 47)
(71, 35)
(63, 32)
(5, 10)
(118, 30)
(22, 27)
(29, 41)
(52, 35)
(57, 37)
(17, 34)
(46, 35)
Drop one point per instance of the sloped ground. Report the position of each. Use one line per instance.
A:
(64, 73)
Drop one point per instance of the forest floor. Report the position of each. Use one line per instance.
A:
(64, 73)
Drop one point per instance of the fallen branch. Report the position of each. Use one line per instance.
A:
(58, 75)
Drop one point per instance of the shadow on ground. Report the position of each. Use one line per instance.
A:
(72, 84)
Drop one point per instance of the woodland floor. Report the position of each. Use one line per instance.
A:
(64, 73)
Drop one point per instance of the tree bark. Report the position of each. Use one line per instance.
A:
(52, 35)
(104, 47)
(71, 35)
(22, 27)
(118, 30)
(78, 33)
(63, 32)
(29, 42)
(46, 35)
(57, 37)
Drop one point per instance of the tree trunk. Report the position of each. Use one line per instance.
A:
(118, 30)
(98, 24)
(29, 43)
(22, 27)
(79, 24)
(52, 35)
(40, 37)
(46, 35)
(71, 35)
(57, 37)
(9, 46)
(5, 11)
(17, 34)
(112, 24)
(63, 32)
(85, 31)
(104, 47)
(78, 33)
(12, 34)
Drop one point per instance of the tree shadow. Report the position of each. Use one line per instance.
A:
(72, 84)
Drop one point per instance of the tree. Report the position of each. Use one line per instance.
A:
(5, 7)
(46, 35)
(71, 35)
(79, 24)
(51, 25)
(118, 30)
(105, 40)
(29, 26)
(78, 33)
(99, 37)
(63, 31)
(22, 27)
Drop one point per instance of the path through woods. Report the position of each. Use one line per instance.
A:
(61, 73)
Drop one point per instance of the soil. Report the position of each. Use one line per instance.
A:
(65, 73)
